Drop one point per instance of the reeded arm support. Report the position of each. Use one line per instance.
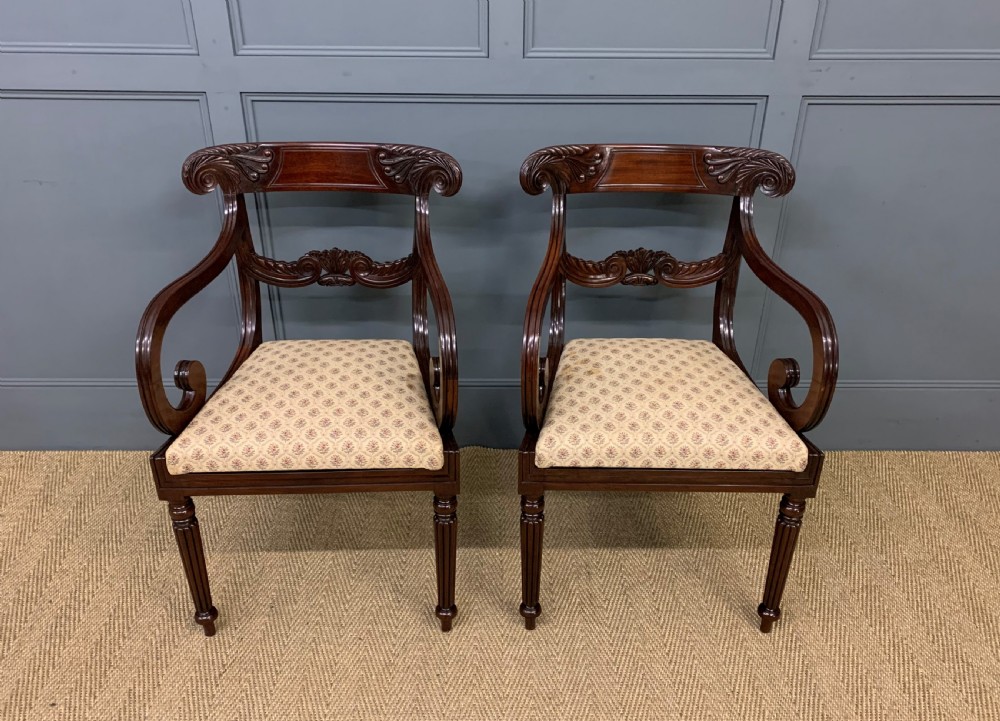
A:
(440, 372)
(537, 371)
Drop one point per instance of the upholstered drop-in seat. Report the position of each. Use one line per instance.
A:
(661, 403)
(315, 405)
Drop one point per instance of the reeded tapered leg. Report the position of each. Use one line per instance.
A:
(193, 557)
(786, 533)
(445, 537)
(532, 525)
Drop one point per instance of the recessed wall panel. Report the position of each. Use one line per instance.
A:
(651, 29)
(96, 221)
(97, 26)
(903, 29)
(891, 224)
(388, 28)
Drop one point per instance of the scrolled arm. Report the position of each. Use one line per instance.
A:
(440, 373)
(189, 375)
(783, 374)
(537, 371)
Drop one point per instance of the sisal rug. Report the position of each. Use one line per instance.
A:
(892, 610)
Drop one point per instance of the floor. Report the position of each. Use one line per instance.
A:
(649, 600)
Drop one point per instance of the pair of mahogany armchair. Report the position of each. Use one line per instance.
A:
(321, 416)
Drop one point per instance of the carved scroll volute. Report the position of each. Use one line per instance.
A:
(561, 167)
(747, 169)
(236, 168)
(420, 169)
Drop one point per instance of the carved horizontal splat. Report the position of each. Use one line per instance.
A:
(235, 167)
(563, 166)
(333, 267)
(420, 169)
(749, 169)
(643, 267)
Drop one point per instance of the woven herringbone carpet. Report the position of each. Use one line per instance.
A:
(891, 610)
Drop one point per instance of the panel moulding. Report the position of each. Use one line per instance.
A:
(202, 100)
(765, 52)
(189, 47)
(765, 316)
(479, 50)
(816, 52)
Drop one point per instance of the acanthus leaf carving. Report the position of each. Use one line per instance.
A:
(751, 168)
(561, 165)
(420, 168)
(230, 165)
(643, 267)
(333, 267)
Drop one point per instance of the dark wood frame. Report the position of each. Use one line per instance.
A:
(268, 167)
(736, 172)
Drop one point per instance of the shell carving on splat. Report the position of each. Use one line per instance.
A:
(643, 267)
(333, 267)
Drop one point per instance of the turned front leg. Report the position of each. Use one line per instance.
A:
(445, 538)
(532, 525)
(786, 533)
(193, 557)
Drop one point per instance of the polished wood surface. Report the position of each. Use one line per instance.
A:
(786, 534)
(243, 168)
(736, 172)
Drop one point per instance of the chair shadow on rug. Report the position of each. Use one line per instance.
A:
(310, 416)
(658, 414)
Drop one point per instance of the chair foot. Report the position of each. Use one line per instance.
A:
(786, 534)
(447, 615)
(767, 617)
(207, 620)
(445, 538)
(532, 527)
(530, 613)
(188, 536)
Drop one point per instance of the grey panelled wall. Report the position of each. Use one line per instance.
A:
(890, 110)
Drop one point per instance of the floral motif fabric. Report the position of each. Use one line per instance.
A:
(313, 405)
(661, 403)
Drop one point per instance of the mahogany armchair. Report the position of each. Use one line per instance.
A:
(665, 414)
(300, 416)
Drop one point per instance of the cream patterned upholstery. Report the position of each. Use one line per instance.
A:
(315, 404)
(660, 403)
